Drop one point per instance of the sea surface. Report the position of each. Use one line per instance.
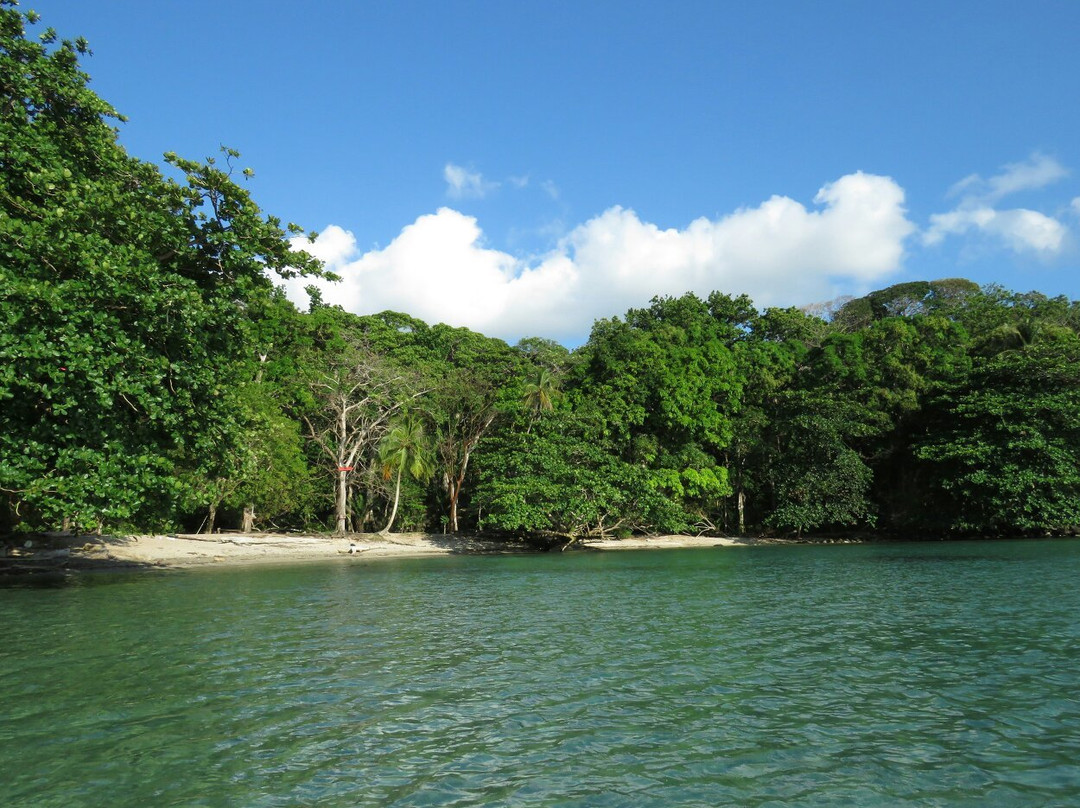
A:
(926, 674)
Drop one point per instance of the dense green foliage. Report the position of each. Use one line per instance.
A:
(151, 376)
(125, 301)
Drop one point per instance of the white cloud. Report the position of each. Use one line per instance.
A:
(1020, 229)
(968, 186)
(333, 246)
(779, 252)
(464, 184)
(1036, 172)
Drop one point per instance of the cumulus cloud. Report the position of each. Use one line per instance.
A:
(464, 184)
(780, 253)
(1020, 229)
(333, 246)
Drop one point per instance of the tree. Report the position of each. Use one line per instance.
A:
(277, 481)
(811, 474)
(817, 480)
(767, 362)
(473, 379)
(540, 394)
(564, 479)
(544, 353)
(1003, 449)
(905, 300)
(664, 383)
(354, 402)
(405, 447)
(125, 301)
(464, 408)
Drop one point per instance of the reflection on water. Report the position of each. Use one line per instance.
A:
(910, 675)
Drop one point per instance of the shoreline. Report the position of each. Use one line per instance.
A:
(668, 542)
(189, 551)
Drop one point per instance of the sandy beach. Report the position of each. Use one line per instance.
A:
(664, 542)
(222, 549)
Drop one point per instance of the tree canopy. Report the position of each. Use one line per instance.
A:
(126, 299)
(153, 376)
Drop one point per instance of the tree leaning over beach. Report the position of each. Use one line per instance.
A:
(125, 301)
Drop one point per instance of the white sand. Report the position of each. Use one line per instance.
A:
(187, 550)
(219, 549)
(663, 542)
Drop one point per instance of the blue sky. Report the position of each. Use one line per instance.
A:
(523, 168)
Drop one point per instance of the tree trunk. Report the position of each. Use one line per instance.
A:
(341, 502)
(454, 492)
(249, 517)
(211, 517)
(742, 512)
(393, 511)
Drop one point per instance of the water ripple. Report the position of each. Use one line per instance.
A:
(911, 675)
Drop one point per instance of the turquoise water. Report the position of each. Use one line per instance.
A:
(900, 675)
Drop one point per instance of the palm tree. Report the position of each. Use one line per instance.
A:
(540, 395)
(405, 446)
(1009, 337)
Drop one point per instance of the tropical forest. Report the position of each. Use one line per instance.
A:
(153, 377)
